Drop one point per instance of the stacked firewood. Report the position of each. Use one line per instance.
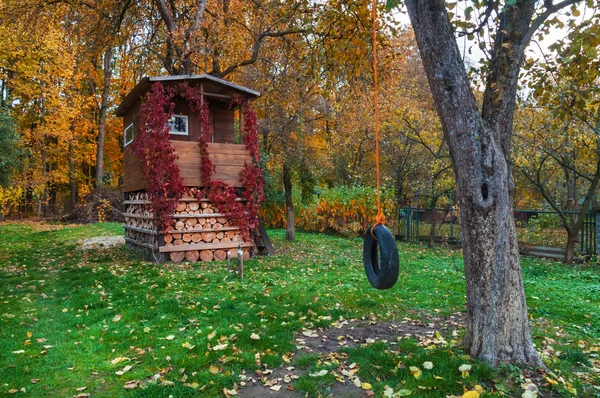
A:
(139, 217)
(195, 223)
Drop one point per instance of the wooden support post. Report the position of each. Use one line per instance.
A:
(240, 253)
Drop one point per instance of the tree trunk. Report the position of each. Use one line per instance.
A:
(289, 204)
(44, 199)
(72, 182)
(399, 196)
(102, 121)
(571, 244)
(497, 328)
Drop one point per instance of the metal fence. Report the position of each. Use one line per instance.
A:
(540, 232)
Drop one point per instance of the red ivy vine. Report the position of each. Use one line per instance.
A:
(155, 153)
(152, 146)
(243, 214)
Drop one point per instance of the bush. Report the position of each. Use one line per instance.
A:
(109, 207)
(347, 210)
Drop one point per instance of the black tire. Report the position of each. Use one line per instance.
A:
(380, 257)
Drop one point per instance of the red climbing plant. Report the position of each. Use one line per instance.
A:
(155, 153)
(157, 157)
(243, 214)
(252, 174)
(198, 104)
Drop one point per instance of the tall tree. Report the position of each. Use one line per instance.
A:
(497, 327)
(561, 130)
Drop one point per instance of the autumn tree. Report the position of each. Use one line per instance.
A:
(10, 157)
(559, 137)
(479, 141)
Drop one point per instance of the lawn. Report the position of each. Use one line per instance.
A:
(107, 323)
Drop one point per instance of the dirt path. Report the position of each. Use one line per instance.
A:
(327, 343)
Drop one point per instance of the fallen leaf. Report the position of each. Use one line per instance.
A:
(117, 318)
(464, 369)
(213, 370)
(428, 365)
(415, 371)
(170, 337)
(65, 310)
(254, 336)
(220, 347)
(388, 392)
(81, 389)
(118, 359)
(124, 370)
(130, 385)
(276, 388)
(146, 329)
(18, 352)
(366, 386)
(319, 373)
(404, 392)
(471, 394)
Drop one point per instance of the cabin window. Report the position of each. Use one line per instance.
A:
(178, 125)
(128, 135)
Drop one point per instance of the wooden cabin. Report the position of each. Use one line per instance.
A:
(197, 230)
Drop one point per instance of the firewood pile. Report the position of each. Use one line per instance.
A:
(196, 231)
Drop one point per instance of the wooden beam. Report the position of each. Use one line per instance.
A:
(204, 246)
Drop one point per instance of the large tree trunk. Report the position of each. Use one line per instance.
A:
(102, 121)
(497, 328)
(289, 203)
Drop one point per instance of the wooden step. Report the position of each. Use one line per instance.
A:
(204, 246)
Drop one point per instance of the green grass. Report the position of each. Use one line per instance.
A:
(173, 316)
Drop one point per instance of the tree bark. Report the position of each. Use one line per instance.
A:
(289, 204)
(571, 243)
(102, 121)
(72, 182)
(497, 328)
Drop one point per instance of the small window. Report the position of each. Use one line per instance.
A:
(178, 125)
(128, 135)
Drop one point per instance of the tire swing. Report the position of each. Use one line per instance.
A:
(380, 253)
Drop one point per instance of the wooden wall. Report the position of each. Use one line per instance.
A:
(227, 158)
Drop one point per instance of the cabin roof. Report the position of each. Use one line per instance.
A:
(212, 85)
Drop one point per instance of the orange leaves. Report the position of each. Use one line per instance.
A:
(347, 210)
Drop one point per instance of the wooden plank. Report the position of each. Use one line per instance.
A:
(192, 157)
(138, 216)
(135, 242)
(204, 246)
(265, 238)
(144, 230)
(208, 215)
(187, 200)
(179, 231)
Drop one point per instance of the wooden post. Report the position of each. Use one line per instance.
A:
(240, 124)
(597, 216)
(240, 253)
